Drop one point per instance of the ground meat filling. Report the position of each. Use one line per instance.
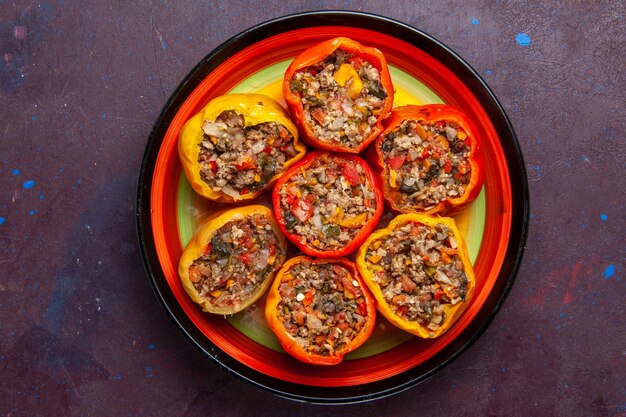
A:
(419, 271)
(426, 163)
(239, 159)
(328, 203)
(236, 262)
(322, 307)
(342, 97)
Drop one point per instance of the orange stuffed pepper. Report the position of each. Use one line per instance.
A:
(428, 161)
(338, 93)
(320, 309)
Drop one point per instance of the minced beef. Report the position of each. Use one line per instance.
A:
(322, 306)
(342, 97)
(239, 159)
(426, 163)
(327, 204)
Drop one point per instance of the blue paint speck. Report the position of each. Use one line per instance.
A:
(16, 172)
(32, 212)
(148, 368)
(609, 271)
(78, 181)
(475, 22)
(61, 170)
(489, 72)
(522, 39)
(562, 315)
(151, 346)
(532, 216)
(603, 217)
(28, 184)
(33, 118)
(2, 220)
(493, 389)
(103, 115)
(41, 197)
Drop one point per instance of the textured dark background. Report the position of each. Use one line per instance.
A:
(81, 332)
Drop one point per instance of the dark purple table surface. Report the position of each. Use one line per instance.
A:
(81, 331)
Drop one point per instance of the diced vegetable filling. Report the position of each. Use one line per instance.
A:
(238, 159)
(342, 97)
(236, 262)
(322, 306)
(419, 271)
(426, 163)
(328, 203)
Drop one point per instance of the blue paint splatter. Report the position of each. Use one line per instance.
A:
(28, 184)
(522, 39)
(148, 368)
(151, 346)
(609, 271)
(78, 181)
(2, 220)
(41, 197)
(562, 315)
(16, 172)
(33, 118)
(103, 115)
(32, 212)
(489, 72)
(603, 217)
(532, 216)
(475, 22)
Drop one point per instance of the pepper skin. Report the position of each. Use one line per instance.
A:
(318, 53)
(365, 305)
(429, 114)
(369, 268)
(256, 109)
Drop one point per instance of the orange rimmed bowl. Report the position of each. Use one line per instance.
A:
(495, 225)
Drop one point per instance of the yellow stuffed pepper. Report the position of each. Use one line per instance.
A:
(237, 146)
(418, 270)
(232, 259)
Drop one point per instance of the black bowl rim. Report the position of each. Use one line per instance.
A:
(510, 266)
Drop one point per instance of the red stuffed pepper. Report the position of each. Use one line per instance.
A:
(328, 203)
(338, 92)
(320, 309)
(428, 160)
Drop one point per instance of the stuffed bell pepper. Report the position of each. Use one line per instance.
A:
(327, 204)
(419, 272)
(338, 93)
(320, 309)
(232, 259)
(428, 160)
(237, 146)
